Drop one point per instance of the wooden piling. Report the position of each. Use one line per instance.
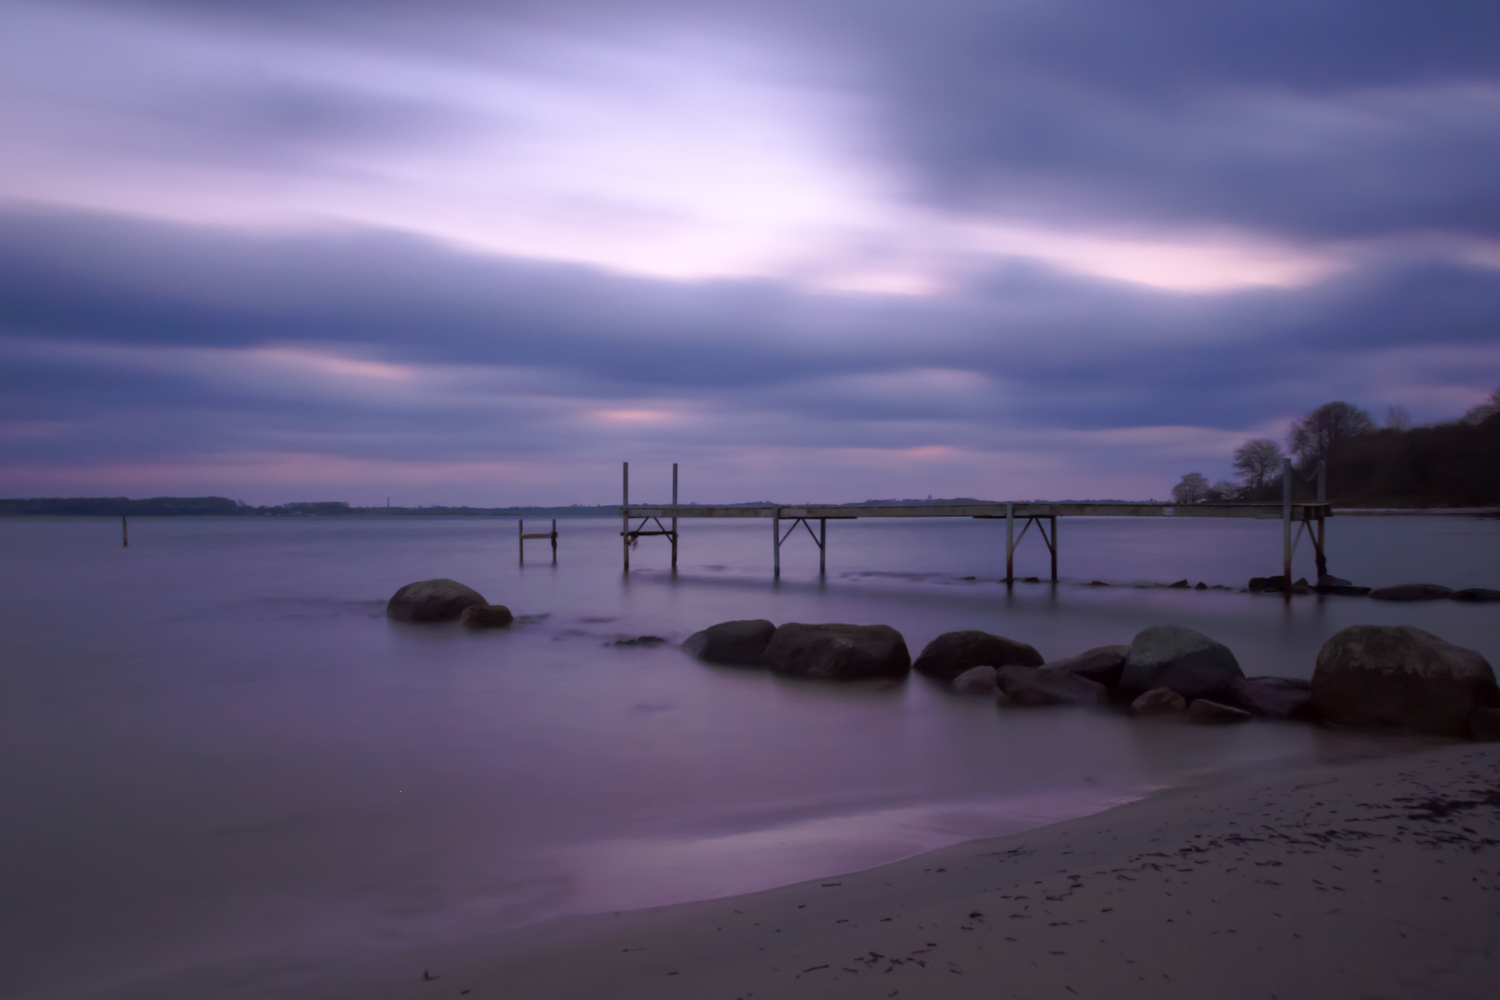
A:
(554, 541)
(776, 543)
(1054, 548)
(1010, 544)
(1286, 528)
(624, 509)
(674, 517)
(822, 546)
(124, 533)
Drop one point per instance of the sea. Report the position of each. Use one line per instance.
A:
(224, 773)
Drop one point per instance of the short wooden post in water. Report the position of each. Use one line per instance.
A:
(124, 533)
(554, 541)
(521, 540)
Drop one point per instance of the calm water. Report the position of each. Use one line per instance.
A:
(224, 773)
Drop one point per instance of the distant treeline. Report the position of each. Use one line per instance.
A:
(224, 507)
(1454, 464)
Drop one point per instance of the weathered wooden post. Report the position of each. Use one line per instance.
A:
(776, 543)
(1054, 548)
(625, 511)
(822, 546)
(1286, 527)
(674, 517)
(1010, 543)
(124, 533)
(1322, 557)
(521, 540)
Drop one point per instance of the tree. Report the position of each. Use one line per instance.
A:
(1257, 462)
(1222, 490)
(1398, 418)
(1320, 433)
(1485, 410)
(1192, 489)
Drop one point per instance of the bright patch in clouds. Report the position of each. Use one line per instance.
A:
(667, 153)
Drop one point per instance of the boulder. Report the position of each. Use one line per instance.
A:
(431, 601)
(1159, 701)
(1186, 661)
(1179, 585)
(951, 653)
(838, 652)
(734, 644)
(1342, 589)
(1102, 664)
(1204, 712)
(1401, 677)
(1273, 697)
(976, 680)
(1484, 724)
(486, 616)
(1476, 595)
(1029, 687)
(1411, 592)
(1262, 584)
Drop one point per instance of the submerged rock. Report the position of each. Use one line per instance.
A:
(1204, 712)
(639, 640)
(440, 600)
(838, 652)
(1182, 659)
(1396, 676)
(734, 644)
(951, 653)
(1102, 664)
(486, 616)
(1476, 595)
(1159, 701)
(1030, 687)
(976, 680)
(1273, 697)
(1411, 592)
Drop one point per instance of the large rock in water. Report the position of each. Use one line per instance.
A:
(976, 680)
(1102, 664)
(1399, 676)
(432, 601)
(735, 644)
(838, 652)
(1030, 687)
(1186, 661)
(951, 653)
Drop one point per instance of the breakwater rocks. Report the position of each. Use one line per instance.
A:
(1400, 592)
(1366, 676)
(445, 600)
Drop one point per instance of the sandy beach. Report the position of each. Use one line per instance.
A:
(1378, 878)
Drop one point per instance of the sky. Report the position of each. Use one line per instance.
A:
(480, 253)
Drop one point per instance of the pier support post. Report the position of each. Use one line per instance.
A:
(776, 543)
(1322, 557)
(1054, 548)
(521, 541)
(822, 546)
(674, 517)
(554, 541)
(1286, 528)
(124, 533)
(625, 518)
(1010, 543)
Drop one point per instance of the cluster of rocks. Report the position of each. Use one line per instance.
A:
(446, 600)
(1400, 592)
(1368, 676)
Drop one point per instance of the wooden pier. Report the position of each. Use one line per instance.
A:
(1296, 519)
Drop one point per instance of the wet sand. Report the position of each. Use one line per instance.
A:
(1379, 878)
